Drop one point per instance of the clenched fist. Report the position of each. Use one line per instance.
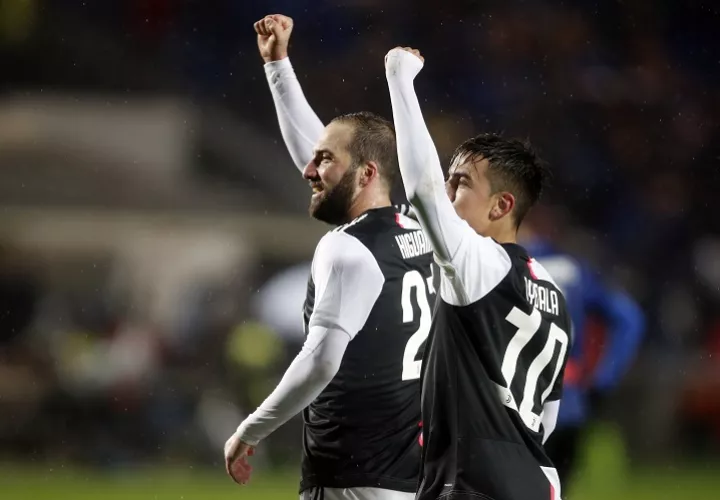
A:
(236, 462)
(273, 35)
(403, 62)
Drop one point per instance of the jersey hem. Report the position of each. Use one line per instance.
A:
(464, 495)
(363, 481)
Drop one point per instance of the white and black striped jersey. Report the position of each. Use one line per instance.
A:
(363, 429)
(494, 363)
(371, 282)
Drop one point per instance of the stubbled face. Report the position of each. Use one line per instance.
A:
(470, 192)
(332, 175)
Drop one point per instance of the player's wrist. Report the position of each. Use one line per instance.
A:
(276, 56)
(279, 71)
(242, 433)
(278, 64)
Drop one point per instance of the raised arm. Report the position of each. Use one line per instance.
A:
(299, 125)
(473, 263)
(419, 162)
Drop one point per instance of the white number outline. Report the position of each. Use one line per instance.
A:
(413, 279)
(527, 326)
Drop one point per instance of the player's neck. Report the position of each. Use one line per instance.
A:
(365, 203)
(501, 233)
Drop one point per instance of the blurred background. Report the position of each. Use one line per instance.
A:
(155, 244)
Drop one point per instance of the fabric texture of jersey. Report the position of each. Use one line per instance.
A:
(363, 429)
(483, 361)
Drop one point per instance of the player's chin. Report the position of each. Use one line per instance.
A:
(327, 211)
(316, 201)
(318, 210)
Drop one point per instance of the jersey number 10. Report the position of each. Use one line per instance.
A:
(528, 325)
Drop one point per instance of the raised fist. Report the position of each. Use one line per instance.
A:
(403, 62)
(273, 35)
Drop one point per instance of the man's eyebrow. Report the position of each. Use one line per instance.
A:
(459, 173)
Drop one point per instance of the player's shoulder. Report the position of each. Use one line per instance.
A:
(364, 227)
(539, 272)
(568, 273)
(380, 221)
(339, 252)
(340, 246)
(377, 228)
(354, 226)
(407, 223)
(394, 240)
(533, 284)
(344, 250)
(527, 268)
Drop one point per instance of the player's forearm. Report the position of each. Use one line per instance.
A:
(299, 125)
(420, 168)
(419, 162)
(306, 377)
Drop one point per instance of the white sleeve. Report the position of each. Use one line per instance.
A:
(472, 264)
(299, 125)
(306, 377)
(348, 282)
(549, 418)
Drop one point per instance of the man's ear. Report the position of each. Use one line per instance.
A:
(368, 172)
(504, 203)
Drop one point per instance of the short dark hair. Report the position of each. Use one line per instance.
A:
(513, 165)
(373, 140)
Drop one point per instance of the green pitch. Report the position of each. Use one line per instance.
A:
(27, 484)
(605, 477)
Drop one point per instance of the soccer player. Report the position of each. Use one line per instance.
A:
(493, 366)
(367, 312)
(624, 322)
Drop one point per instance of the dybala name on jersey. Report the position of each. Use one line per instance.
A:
(542, 297)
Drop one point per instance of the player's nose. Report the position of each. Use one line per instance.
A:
(310, 171)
